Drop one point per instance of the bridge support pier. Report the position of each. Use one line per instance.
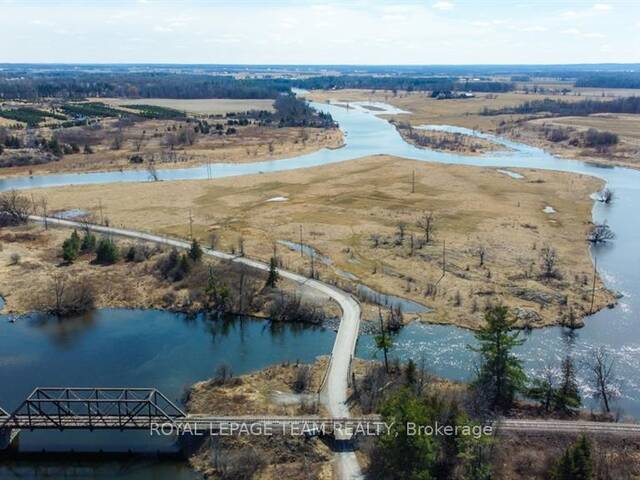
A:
(8, 438)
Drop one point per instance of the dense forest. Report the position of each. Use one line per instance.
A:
(73, 85)
(147, 85)
(291, 111)
(563, 108)
(401, 83)
(610, 80)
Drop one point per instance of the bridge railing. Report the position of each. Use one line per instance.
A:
(62, 408)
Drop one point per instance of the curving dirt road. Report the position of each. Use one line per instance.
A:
(334, 391)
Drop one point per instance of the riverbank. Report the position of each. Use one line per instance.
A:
(420, 109)
(352, 213)
(446, 141)
(249, 144)
(31, 259)
(285, 389)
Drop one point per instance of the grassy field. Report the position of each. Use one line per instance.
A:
(427, 110)
(207, 106)
(466, 113)
(340, 207)
(626, 126)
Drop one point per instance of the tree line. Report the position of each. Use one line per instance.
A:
(74, 85)
(610, 80)
(564, 108)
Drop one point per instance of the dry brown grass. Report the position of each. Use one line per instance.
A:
(250, 144)
(254, 394)
(531, 457)
(206, 106)
(466, 113)
(27, 283)
(340, 206)
(427, 110)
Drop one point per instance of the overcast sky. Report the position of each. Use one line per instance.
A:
(310, 32)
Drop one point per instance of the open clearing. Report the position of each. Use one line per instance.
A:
(205, 106)
(342, 207)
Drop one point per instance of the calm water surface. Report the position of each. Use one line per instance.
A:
(144, 348)
(159, 349)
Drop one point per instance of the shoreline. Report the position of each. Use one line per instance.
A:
(335, 140)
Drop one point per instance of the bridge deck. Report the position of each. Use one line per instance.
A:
(192, 423)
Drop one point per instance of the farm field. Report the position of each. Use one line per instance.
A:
(207, 106)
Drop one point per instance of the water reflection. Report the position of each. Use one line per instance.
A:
(138, 348)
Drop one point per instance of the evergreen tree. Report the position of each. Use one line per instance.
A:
(404, 456)
(410, 372)
(71, 247)
(106, 251)
(272, 280)
(383, 342)
(567, 398)
(576, 463)
(501, 375)
(544, 391)
(195, 252)
(217, 295)
(88, 242)
(184, 267)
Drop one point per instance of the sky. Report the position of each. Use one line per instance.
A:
(311, 32)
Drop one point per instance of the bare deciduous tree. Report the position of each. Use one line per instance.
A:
(139, 141)
(15, 208)
(548, 262)
(603, 378)
(118, 139)
(426, 223)
(65, 297)
(600, 233)
(606, 195)
(481, 252)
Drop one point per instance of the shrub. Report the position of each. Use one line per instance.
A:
(174, 266)
(287, 308)
(71, 247)
(106, 251)
(88, 242)
(195, 252)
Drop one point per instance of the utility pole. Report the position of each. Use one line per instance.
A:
(444, 256)
(593, 287)
(101, 214)
(413, 181)
(44, 208)
(313, 274)
(301, 244)
(190, 225)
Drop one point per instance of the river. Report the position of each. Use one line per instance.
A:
(443, 347)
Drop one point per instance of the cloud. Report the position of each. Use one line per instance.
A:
(534, 28)
(575, 31)
(602, 7)
(443, 5)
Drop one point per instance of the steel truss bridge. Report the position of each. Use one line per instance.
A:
(148, 409)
